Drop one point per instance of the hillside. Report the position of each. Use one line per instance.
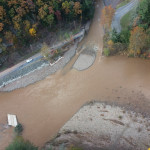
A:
(25, 23)
(134, 38)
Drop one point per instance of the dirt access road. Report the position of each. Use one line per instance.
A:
(45, 106)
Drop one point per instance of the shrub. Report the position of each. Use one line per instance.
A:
(125, 36)
(106, 38)
(122, 37)
(56, 54)
(119, 47)
(20, 144)
(106, 52)
(18, 129)
(115, 37)
(110, 44)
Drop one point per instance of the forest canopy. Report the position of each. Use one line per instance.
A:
(20, 20)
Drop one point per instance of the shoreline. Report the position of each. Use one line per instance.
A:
(100, 125)
(16, 79)
(39, 73)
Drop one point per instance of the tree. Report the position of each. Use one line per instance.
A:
(77, 8)
(32, 32)
(42, 13)
(39, 3)
(49, 19)
(88, 8)
(66, 7)
(9, 36)
(137, 40)
(11, 12)
(58, 15)
(1, 26)
(17, 17)
(144, 13)
(115, 37)
(27, 25)
(2, 13)
(107, 16)
(51, 10)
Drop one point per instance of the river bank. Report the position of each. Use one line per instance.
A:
(40, 69)
(101, 126)
(39, 73)
(37, 63)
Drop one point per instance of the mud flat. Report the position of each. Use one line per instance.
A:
(100, 126)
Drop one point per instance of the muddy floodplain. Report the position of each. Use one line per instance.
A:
(45, 106)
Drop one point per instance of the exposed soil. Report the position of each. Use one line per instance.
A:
(45, 106)
(97, 126)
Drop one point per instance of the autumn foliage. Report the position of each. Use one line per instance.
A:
(134, 39)
(137, 40)
(107, 16)
(21, 20)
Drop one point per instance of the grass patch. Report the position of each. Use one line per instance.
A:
(123, 3)
(106, 52)
(125, 21)
(20, 144)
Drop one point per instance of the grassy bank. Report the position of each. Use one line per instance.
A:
(125, 21)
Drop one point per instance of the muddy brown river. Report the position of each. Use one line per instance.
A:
(45, 106)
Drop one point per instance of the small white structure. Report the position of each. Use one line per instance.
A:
(51, 64)
(12, 120)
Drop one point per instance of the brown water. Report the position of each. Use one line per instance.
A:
(45, 106)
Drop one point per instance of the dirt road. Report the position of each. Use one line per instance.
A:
(46, 105)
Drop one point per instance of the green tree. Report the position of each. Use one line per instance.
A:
(66, 7)
(50, 19)
(144, 13)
